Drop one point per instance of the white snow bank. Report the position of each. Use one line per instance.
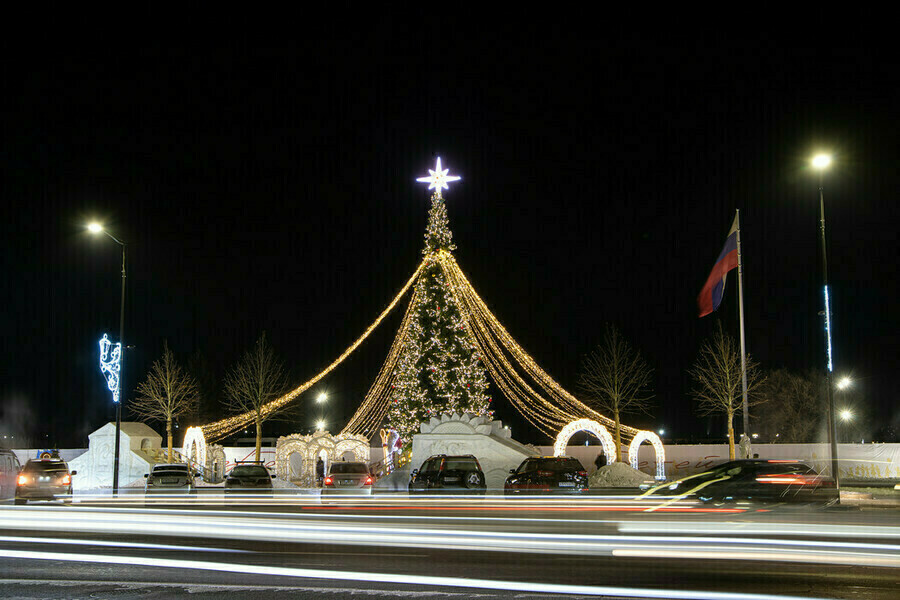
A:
(618, 474)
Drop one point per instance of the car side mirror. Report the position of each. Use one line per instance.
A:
(414, 472)
(274, 476)
(74, 473)
(512, 471)
(146, 475)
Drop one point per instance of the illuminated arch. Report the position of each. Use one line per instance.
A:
(591, 426)
(648, 436)
(194, 445)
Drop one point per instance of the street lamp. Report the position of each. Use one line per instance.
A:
(96, 228)
(323, 397)
(844, 383)
(320, 425)
(820, 162)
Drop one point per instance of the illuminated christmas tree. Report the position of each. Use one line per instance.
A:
(439, 369)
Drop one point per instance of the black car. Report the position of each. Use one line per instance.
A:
(547, 475)
(757, 480)
(248, 478)
(44, 479)
(444, 474)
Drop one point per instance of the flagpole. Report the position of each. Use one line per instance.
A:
(746, 410)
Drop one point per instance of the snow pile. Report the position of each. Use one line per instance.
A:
(616, 475)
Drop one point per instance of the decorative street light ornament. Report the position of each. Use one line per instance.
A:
(110, 364)
(648, 436)
(591, 426)
(438, 178)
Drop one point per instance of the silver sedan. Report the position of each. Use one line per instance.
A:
(348, 479)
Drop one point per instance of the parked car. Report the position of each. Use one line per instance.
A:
(44, 479)
(348, 478)
(253, 477)
(759, 480)
(9, 473)
(169, 478)
(448, 474)
(547, 475)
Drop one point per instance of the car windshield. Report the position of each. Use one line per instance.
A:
(248, 471)
(349, 468)
(460, 464)
(553, 464)
(175, 472)
(46, 467)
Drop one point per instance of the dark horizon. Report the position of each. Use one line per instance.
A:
(275, 191)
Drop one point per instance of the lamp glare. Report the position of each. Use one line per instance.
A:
(821, 161)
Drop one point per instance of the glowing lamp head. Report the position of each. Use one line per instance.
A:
(844, 383)
(320, 425)
(321, 398)
(846, 415)
(821, 161)
(95, 227)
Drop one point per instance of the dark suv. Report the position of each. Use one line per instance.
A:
(761, 480)
(448, 474)
(547, 474)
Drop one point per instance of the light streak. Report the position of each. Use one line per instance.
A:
(398, 578)
(109, 544)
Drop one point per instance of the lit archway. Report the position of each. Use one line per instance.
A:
(591, 426)
(648, 436)
(194, 445)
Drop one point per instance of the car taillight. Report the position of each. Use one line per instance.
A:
(23, 480)
(66, 479)
(329, 481)
(369, 481)
(783, 479)
(582, 473)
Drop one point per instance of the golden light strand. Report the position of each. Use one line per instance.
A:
(220, 429)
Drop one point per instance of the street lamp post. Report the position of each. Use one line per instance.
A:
(97, 228)
(821, 162)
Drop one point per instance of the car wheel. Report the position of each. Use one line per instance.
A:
(474, 479)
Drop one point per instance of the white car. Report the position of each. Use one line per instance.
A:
(169, 478)
(348, 479)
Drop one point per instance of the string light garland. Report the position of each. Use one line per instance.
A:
(220, 429)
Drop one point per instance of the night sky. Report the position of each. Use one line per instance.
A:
(273, 189)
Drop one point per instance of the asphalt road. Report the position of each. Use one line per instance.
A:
(447, 548)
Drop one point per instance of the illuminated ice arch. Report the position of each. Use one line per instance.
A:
(648, 436)
(194, 446)
(562, 440)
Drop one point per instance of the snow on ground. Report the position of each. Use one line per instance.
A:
(618, 474)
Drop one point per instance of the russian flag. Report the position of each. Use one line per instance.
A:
(711, 295)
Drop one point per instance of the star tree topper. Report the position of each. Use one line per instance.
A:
(438, 178)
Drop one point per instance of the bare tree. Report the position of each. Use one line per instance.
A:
(167, 393)
(794, 407)
(257, 379)
(616, 380)
(717, 378)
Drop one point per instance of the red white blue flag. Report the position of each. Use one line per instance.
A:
(711, 295)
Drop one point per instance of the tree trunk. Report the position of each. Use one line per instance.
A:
(169, 434)
(258, 437)
(730, 435)
(618, 457)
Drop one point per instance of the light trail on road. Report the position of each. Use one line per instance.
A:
(301, 527)
(406, 579)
